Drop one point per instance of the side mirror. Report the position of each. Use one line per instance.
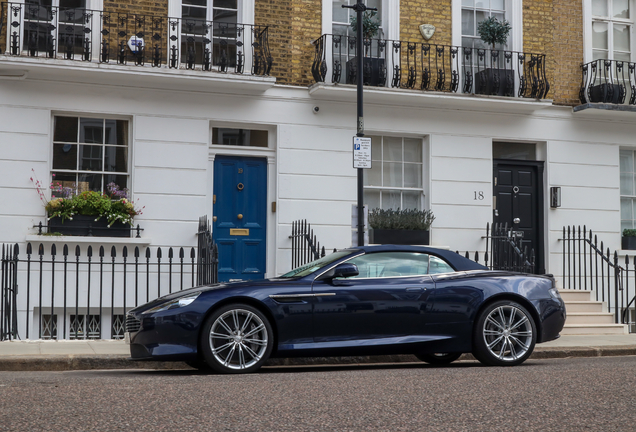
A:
(345, 270)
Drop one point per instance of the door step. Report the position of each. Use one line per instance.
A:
(594, 329)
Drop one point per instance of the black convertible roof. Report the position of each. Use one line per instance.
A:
(458, 262)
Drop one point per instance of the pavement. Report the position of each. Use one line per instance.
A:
(51, 355)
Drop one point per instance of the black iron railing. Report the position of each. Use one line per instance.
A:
(590, 265)
(208, 256)
(135, 39)
(444, 68)
(608, 81)
(305, 246)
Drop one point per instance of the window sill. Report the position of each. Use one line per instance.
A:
(86, 240)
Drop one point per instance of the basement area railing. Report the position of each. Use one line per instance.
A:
(129, 38)
(422, 66)
(589, 265)
(608, 81)
(305, 246)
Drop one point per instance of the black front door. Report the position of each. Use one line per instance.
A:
(518, 191)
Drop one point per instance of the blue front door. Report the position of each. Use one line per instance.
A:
(240, 212)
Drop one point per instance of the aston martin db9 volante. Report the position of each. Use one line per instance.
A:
(368, 300)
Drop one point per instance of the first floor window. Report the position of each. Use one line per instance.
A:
(612, 24)
(474, 12)
(628, 189)
(89, 154)
(395, 179)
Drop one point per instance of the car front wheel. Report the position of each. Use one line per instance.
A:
(236, 338)
(505, 334)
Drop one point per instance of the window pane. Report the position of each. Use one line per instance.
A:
(627, 184)
(116, 159)
(90, 158)
(193, 12)
(63, 185)
(339, 13)
(392, 174)
(621, 37)
(470, 3)
(599, 35)
(468, 22)
(228, 4)
(392, 149)
(89, 182)
(116, 132)
(599, 55)
(484, 4)
(412, 200)
(65, 129)
(391, 200)
(497, 4)
(622, 56)
(626, 225)
(412, 150)
(119, 180)
(626, 209)
(599, 7)
(91, 131)
(437, 265)
(621, 9)
(412, 175)
(376, 148)
(627, 161)
(373, 176)
(65, 156)
(372, 199)
(195, 2)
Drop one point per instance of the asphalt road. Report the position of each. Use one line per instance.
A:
(578, 394)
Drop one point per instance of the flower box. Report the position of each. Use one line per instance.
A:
(82, 225)
(628, 243)
(399, 237)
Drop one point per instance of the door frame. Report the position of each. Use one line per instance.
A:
(269, 154)
(540, 166)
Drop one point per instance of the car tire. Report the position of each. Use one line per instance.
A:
(236, 338)
(438, 358)
(504, 334)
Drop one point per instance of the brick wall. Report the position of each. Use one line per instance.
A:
(142, 7)
(306, 27)
(3, 34)
(277, 15)
(416, 12)
(538, 30)
(568, 51)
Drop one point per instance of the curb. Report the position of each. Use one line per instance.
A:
(92, 362)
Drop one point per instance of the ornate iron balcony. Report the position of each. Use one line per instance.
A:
(135, 39)
(442, 68)
(608, 81)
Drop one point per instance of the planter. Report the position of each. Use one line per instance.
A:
(606, 93)
(375, 64)
(628, 243)
(485, 82)
(82, 225)
(399, 237)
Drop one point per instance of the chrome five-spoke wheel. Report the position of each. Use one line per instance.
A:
(236, 339)
(505, 334)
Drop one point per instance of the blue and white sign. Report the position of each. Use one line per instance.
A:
(361, 152)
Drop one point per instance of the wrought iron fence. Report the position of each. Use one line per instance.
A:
(590, 265)
(136, 39)
(305, 246)
(608, 81)
(84, 294)
(444, 68)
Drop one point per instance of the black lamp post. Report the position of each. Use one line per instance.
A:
(360, 8)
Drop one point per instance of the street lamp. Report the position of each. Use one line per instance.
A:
(360, 8)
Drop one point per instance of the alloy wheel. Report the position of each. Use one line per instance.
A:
(507, 333)
(238, 339)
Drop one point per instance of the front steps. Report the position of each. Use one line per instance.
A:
(588, 317)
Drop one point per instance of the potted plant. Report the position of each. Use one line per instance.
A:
(372, 65)
(628, 241)
(493, 80)
(406, 227)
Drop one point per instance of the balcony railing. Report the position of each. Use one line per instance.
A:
(608, 81)
(442, 68)
(134, 39)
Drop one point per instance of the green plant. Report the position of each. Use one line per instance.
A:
(370, 26)
(401, 219)
(492, 31)
(91, 203)
(629, 233)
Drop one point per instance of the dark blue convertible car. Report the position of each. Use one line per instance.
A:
(359, 301)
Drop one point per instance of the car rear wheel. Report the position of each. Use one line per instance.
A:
(438, 358)
(236, 338)
(505, 334)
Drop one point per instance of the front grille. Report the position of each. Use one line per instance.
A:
(132, 324)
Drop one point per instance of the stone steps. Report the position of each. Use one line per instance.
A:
(586, 316)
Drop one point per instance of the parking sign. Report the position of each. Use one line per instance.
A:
(361, 152)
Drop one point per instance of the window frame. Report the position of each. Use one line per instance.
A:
(589, 18)
(415, 275)
(390, 18)
(631, 197)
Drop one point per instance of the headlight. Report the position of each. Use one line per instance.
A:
(173, 304)
(554, 293)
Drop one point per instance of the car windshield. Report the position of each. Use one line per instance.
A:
(317, 265)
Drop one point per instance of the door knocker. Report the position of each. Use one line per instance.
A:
(515, 189)
(240, 186)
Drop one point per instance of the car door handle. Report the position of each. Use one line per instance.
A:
(415, 289)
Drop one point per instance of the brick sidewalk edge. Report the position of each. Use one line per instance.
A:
(91, 362)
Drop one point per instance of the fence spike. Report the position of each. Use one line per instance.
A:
(77, 251)
(53, 250)
(477, 256)
(29, 249)
(158, 252)
(41, 249)
(467, 255)
(113, 252)
(124, 252)
(136, 251)
(170, 253)
(101, 251)
(89, 251)
(181, 253)
(192, 253)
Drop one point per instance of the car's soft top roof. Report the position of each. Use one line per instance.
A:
(458, 262)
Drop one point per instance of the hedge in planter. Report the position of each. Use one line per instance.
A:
(628, 241)
(405, 227)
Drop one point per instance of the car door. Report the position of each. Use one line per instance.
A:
(388, 298)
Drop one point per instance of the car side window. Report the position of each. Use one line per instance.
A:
(438, 265)
(391, 264)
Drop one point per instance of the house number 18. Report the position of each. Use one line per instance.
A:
(479, 195)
